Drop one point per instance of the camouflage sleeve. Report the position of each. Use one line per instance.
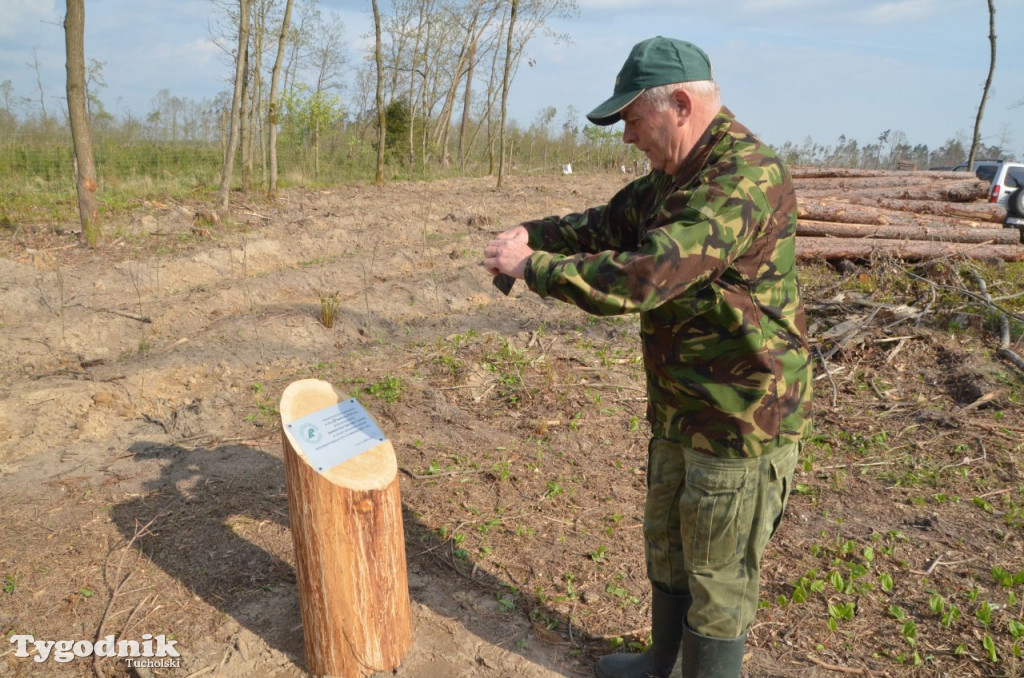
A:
(608, 227)
(694, 236)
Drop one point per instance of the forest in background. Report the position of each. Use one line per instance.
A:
(442, 65)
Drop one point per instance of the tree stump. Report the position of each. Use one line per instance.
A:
(346, 524)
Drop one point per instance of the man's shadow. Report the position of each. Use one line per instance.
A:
(190, 522)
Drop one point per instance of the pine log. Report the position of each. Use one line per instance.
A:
(908, 250)
(349, 549)
(975, 211)
(941, 233)
(844, 212)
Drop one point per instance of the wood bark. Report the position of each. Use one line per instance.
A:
(941, 233)
(908, 250)
(85, 167)
(349, 549)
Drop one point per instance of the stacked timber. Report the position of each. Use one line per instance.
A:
(910, 215)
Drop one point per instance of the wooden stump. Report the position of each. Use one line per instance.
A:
(350, 563)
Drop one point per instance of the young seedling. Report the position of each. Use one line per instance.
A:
(329, 303)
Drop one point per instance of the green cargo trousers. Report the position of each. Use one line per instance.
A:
(706, 524)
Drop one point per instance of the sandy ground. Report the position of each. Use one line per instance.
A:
(141, 471)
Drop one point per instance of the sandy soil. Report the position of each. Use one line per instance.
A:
(141, 468)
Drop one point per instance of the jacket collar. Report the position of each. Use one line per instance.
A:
(698, 156)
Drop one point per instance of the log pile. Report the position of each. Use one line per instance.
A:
(909, 215)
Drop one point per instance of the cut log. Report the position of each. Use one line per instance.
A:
(976, 211)
(349, 549)
(842, 212)
(908, 250)
(1004, 236)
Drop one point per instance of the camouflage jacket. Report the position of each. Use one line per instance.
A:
(707, 257)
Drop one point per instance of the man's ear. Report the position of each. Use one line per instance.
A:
(684, 103)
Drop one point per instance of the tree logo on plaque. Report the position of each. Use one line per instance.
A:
(311, 433)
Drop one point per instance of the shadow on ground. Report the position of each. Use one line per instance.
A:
(218, 523)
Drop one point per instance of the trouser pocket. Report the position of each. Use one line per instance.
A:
(713, 510)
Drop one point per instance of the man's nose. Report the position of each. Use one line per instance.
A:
(627, 136)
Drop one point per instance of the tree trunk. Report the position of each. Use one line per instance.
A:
(224, 195)
(245, 126)
(467, 100)
(504, 90)
(988, 83)
(381, 117)
(346, 523)
(272, 107)
(937, 233)
(85, 167)
(908, 250)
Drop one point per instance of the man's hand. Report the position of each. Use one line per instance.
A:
(507, 253)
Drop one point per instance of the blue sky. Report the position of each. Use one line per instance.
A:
(790, 69)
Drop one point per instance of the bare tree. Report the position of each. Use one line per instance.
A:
(85, 168)
(39, 80)
(381, 118)
(272, 106)
(326, 56)
(228, 167)
(988, 82)
(505, 82)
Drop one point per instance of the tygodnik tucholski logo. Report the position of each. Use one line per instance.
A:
(151, 652)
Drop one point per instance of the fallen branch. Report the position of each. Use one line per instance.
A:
(115, 589)
(844, 669)
(1004, 324)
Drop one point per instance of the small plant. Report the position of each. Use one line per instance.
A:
(389, 389)
(990, 647)
(840, 612)
(329, 304)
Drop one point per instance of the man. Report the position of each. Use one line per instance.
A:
(703, 248)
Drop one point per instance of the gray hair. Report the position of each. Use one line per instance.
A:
(704, 91)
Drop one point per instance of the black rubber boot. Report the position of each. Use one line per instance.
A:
(663, 658)
(708, 657)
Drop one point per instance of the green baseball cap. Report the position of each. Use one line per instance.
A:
(653, 62)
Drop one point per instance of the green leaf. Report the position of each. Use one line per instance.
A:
(990, 646)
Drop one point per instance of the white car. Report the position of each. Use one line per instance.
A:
(1006, 191)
